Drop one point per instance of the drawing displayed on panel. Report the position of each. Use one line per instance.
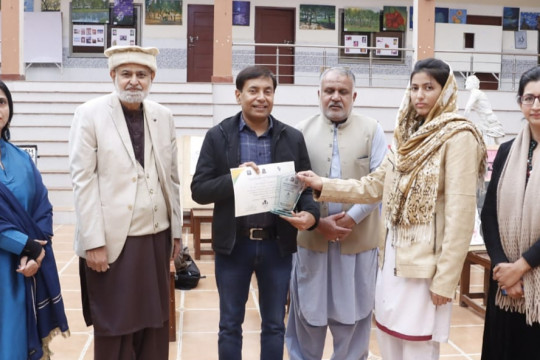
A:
(90, 11)
(356, 44)
(163, 12)
(240, 13)
(317, 17)
(510, 18)
(358, 19)
(394, 18)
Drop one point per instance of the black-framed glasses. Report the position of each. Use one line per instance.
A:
(527, 99)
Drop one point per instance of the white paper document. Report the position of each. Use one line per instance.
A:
(274, 189)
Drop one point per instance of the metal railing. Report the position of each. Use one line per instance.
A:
(506, 67)
(302, 64)
(308, 61)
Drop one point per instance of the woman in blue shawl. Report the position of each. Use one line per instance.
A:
(31, 305)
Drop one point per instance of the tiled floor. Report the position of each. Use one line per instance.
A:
(197, 317)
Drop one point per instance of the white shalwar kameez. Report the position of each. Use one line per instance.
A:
(410, 327)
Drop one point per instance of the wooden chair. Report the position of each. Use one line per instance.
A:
(199, 216)
(474, 257)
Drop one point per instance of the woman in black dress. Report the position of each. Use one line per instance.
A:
(511, 228)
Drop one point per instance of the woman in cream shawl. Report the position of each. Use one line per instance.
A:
(511, 231)
(428, 186)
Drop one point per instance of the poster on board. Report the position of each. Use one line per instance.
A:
(123, 36)
(356, 44)
(89, 35)
(387, 46)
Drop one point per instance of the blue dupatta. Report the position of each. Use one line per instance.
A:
(44, 303)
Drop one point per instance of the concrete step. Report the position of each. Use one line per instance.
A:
(102, 87)
(61, 196)
(42, 119)
(194, 122)
(33, 134)
(53, 179)
(64, 215)
(66, 110)
(53, 163)
(51, 147)
(48, 98)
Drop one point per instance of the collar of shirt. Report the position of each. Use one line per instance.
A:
(242, 125)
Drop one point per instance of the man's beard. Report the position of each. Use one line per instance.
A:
(132, 97)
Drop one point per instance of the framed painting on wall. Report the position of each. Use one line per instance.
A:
(97, 13)
(394, 18)
(241, 13)
(530, 21)
(50, 5)
(510, 18)
(29, 5)
(360, 19)
(163, 12)
(457, 16)
(123, 12)
(317, 17)
(441, 15)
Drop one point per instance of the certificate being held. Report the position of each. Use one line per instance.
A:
(274, 189)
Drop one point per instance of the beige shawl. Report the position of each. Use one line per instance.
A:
(517, 214)
(411, 204)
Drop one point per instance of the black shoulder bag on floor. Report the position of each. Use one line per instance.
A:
(187, 272)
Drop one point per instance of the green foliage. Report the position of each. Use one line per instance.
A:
(50, 5)
(323, 15)
(89, 4)
(357, 19)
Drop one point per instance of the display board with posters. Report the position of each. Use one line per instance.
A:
(91, 39)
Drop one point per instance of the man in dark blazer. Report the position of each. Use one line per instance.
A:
(261, 243)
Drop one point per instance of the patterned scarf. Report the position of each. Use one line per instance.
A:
(519, 228)
(411, 204)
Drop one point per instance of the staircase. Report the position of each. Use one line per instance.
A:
(43, 112)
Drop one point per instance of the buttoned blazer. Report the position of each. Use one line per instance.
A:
(104, 172)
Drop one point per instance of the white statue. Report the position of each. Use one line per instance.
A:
(478, 102)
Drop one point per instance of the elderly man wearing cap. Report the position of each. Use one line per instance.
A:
(123, 161)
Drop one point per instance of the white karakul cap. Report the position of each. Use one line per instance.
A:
(119, 55)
